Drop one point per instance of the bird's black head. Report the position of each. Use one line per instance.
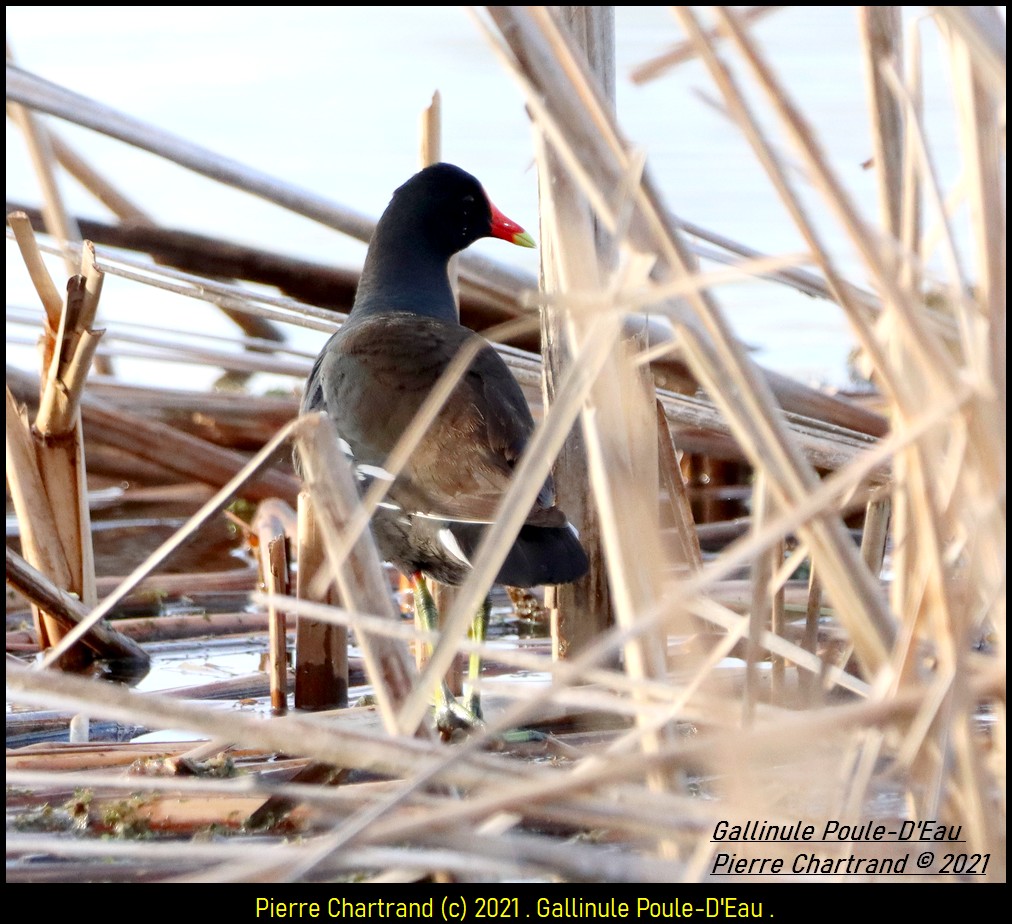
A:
(438, 212)
(448, 208)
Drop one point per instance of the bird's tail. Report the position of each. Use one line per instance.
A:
(540, 555)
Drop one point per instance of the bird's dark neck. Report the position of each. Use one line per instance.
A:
(404, 275)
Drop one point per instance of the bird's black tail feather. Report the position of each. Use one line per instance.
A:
(540, 555)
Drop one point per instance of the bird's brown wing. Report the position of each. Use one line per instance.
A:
(375, 377)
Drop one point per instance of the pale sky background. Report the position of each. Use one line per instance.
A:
(329, 98)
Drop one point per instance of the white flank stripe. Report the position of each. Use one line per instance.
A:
(374, 471)
(443, 516)
(452, 546)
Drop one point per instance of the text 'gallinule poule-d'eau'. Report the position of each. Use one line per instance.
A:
(375, 372)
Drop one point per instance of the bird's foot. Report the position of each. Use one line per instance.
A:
(472, 704)
(452, 717)
(455, 719)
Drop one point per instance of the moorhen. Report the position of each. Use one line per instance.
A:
(374, 373)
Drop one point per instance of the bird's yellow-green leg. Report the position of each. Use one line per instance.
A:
(427, 616)
(479, 629)
(449, 713)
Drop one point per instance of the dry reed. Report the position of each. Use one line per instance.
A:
(873, 690)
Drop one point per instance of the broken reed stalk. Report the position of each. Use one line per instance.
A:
(213, 506)
(46, 467)
(49, 295)
(277, 560)
(321, 650)
(272, 523)
(625, 486)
